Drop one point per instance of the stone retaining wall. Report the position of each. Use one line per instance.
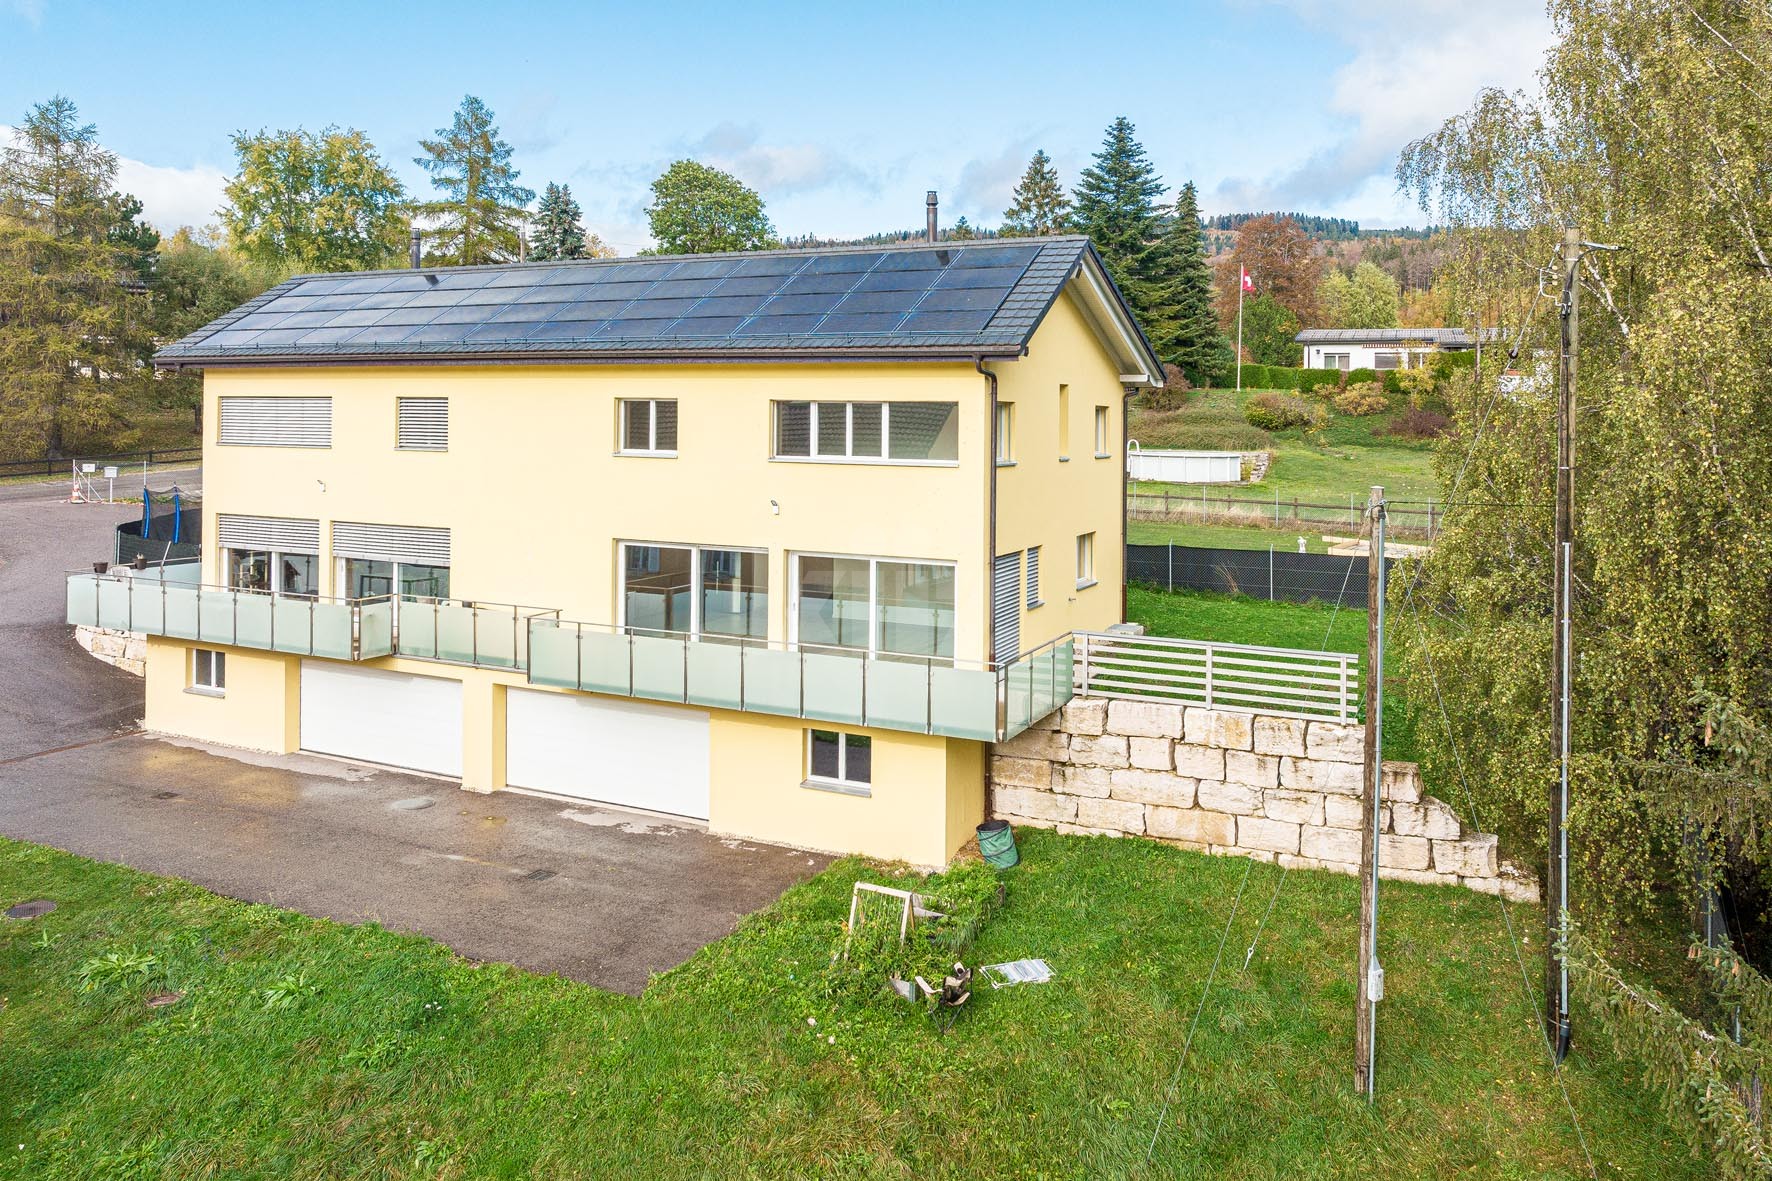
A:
(127, 650)
(1254, 785)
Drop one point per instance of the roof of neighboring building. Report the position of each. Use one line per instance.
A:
(950, 300)
(1451, 337)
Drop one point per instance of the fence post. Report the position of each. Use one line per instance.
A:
(1172, 567)
(1085, 664)
(1432, 520)
(1270, 573)
(1276, 508)
(1208, 676)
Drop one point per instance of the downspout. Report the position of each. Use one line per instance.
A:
(1126, 396)
(990, 574)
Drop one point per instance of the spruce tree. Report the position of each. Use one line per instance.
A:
(482, 205)
(1117, 206)
(558, 231)
(1040, 206)
(1196, 345)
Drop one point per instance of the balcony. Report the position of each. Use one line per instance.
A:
(955, 699)
(485, 635)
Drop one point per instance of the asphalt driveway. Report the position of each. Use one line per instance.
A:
(603, 896)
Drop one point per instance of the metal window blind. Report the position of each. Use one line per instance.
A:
(391, 543)
(421, 424)
(276, 422)
(289, 535)
(1006, 607)
(1033, 576)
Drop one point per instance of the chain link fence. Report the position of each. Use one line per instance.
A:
(1415, 520)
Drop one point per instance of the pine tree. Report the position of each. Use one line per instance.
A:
(1040, 206)
(558, 230)
(1117, 206)
(477, 219)
(962, 231)
(1196, 344)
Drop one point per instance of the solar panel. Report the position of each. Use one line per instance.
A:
(776, 325)
(878, 301)
(881, 322)
(818, 284)
(959, 299)
(945, 321)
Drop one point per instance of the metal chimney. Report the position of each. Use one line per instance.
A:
(929, 201)
(417, 243)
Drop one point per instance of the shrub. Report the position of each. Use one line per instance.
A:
(1198, 427)
(1163, 399)
(1277, 412)
(1392, 383)
(1418, 385)
(1356, 376)
(1444, 365)
(1316, 379)
(1361, 400)
(1417, 423)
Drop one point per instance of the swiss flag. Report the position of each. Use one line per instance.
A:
(1248, 283)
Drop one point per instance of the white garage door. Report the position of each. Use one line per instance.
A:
(381, 717)
(610, 750)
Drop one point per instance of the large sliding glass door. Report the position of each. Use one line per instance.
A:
(703, 591)
(370, 578)
(883, 607)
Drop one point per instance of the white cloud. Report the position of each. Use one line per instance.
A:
(987, 183)
(29, 11)
(173, 197)
(778, 170)
(1416, 63)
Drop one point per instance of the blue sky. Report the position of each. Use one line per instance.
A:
(840, 117)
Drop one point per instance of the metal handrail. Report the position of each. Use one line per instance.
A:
(196, 590)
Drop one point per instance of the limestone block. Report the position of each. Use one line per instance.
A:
(1342, 812)
(1082, 781)
(1396, 852)
(136, 648)
(1279, 736)
(1148, 719)
(1011, 772)
(1472, 857)
(1190, 824)
(1402, 781)
(1239, 798)
(1256, 770)
(1051, 721)
(1313, 863)
(1335, 743)
(1276, 836)
(1514, 887)
(1424, 877)
(1050, 745)
(135, 668)
(1085, 715)
(1266, 856)
(1153, 787)
(1023, 821)
(1300, 807)
(1216, 727)
(1108, 750)
(109, 643)
(1034, 805)
(1201, 762)
(1151, 754)
(1332, 844)
(1430, 818)
(1314, 775)
(1084, 830)
(1119, 815)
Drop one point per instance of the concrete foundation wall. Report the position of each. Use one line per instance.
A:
(1277, 789)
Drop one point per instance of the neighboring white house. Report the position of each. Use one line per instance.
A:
(1381, 348)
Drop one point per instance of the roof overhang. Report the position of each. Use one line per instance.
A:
(1106, 312)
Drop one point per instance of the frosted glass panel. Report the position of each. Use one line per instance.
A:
(964, 703)
(82, 600)
(833, 687)
(252, 621)
(147, 606)
(772, 681)
(553, 655)
(332, 630)
(898, 695)
(658, 667)
(113, 604)
(181, 612)
(418, 629)
(715, 674)
(215, 616)
(605, 662)
(455, 632)
(292, 625)
(375, 629)
(495, 637)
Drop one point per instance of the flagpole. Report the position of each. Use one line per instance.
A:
(1242, 286)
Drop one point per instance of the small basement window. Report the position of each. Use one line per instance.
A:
(1085, 560)
(839, 761)
(1101, 432)
(209, 671)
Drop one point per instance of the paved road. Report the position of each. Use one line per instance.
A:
(602, 896)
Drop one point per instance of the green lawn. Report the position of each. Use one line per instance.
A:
(306, 1049)
(1143, 532)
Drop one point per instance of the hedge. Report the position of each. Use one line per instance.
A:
(1357, 376)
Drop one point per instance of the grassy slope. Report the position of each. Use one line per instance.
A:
(717, 1071)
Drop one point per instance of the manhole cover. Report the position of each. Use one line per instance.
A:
(538, 875)
(166, 795)
(415, 804)
(30, 910)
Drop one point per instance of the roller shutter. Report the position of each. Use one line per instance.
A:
(422, 424)
(289, 535)
(631, 753)
(391, 543)
(1006, 607)
(275, 422)
(392, 718)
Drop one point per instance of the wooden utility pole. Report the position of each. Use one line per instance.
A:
(1369, 987)
(1556, 967)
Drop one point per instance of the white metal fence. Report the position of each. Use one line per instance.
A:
(1291, 682)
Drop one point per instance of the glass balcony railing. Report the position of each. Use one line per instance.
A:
(487, 635)
(956, 699)
(342, 629)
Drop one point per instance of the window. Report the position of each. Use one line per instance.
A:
(275, 422)
(868, 432)
(1385, 360)
(695, 590)
(838, 759)
(209, 671)
(371, 578)
(421, 424)
(1085, 560)
(273, 571)
(1033, 578)
(1101, 432)
(1005, 432)
(891, 609)
(648, 426)
(1064, 422)
(1336, 361)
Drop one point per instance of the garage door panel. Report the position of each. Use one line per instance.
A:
(378, 716)
(608, 750)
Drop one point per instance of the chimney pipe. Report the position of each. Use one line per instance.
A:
(417, 240)
(929, 201)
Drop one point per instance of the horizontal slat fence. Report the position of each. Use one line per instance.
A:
(1291, 682)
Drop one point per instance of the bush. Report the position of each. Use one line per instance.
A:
(1444, 365)
(1417, 423)
(1316, 379)
(1361, 400)
(1418, 385)
(1356, 376)
(1392, 383)
(1198, 428)
(1276, 412)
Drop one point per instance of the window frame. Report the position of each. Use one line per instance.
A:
(1086, 560)
(212, 682)
(697, 588)
(275, 567)
(1005, 434)
(1030, 575)
(1103, 422)
(873, 650)
(884, 459)
(652, 450)
(842, 783)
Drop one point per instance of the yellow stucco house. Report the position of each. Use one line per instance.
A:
(780, 541)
